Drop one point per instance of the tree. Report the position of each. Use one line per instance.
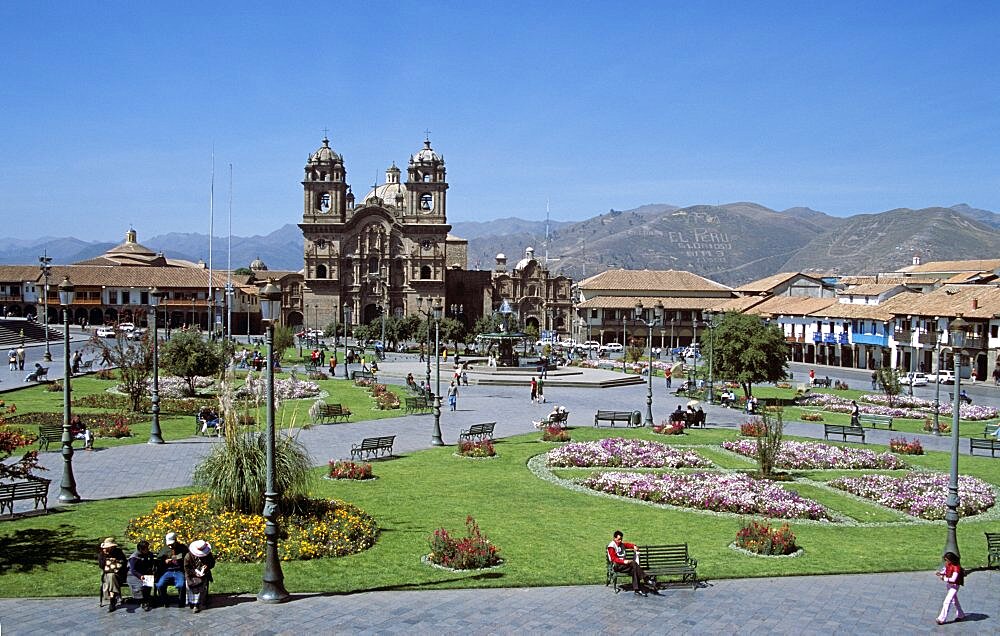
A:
(134, 359)
(12, 439)
(888, 380)
(452, 331)
(284, 338)
(188, 355)
(487, 324)
(745, 350)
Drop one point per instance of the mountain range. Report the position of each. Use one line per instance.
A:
(732, 243)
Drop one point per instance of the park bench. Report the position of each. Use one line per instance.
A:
(659, 562)
(48, 433)
(373, 446)
(86, 366)
(992, 549)
(478, 432)
(559, 419)
(963, 400)
(331, 412)
(843, 431)
(362, 375)
(631, 418)
(875, 420)
(416, 404)
(991, 429)
(40, 374)
(992, 445)
(35, 488)
(824, 382)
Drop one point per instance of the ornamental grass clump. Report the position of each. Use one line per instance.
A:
(471, 552)
(761, 538)
(769, 442)
(480, 448)
(346, 469)
(903, 446)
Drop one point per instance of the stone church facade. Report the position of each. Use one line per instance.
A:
(384, 251)
(394, 246)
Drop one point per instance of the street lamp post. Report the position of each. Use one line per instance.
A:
(426, 314)
(155, 435)
(957, 341)
(347, 323)
(44, 264)
(273, 587)
(711, 355)
(67, 488)
(937, 389)
(436, 437)
(657, 319)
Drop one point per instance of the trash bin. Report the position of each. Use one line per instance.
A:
(636, 419)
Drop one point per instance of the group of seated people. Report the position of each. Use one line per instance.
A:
(727, 398)
(78, 430)
(691, 417)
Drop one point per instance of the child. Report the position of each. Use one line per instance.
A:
(953, 576)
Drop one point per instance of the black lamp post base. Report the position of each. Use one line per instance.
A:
(273, 593)
(69, 497)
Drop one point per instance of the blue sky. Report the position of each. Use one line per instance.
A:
(111, 110)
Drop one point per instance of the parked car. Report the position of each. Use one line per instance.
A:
(914, 378)
(136, 334)
(613, 346)
(126, 327)
(592, 344)
(944, 376)
(106, 332)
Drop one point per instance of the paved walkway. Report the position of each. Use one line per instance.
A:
(877, 603)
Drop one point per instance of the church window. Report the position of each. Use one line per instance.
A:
(425, 272)
(373, 265)
(324, 202)
(426, 202)
(531, 290)
(321, 271)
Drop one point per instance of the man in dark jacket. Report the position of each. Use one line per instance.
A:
(171, 559)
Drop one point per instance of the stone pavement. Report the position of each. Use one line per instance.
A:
(876, 603)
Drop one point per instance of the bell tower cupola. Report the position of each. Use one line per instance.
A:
(426, 185)
(325, 186)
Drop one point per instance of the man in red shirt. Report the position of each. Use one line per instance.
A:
(616, 554)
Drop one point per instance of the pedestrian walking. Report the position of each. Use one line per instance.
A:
(874, 380)
(534, 390)
(953, 577)
(541, 391)
(12, 360)
(453, 396)
(20, 357)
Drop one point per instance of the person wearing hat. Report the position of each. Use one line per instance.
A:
(171, 559)
(112, 562)
(141, 570)
(198, 564)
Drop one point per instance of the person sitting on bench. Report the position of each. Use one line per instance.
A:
(209, 419)
(678, 415)
(34, 375)
(616, 554)
(79, 430)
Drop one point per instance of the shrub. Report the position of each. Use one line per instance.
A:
(387, 400)
(840, 386)
(317, 375)
(343, 469)
(481, 448)
(811, 417)
(105, 374)
(769, 442)
(318, 528)
(761, 538)
(471, 552)
(555, 433)
(753, 427)
(904, 447)
(117, 427)
(54, 387)
(669, 428)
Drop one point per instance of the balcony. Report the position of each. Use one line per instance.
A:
(929, 338)
(975, 342)
(903, 336)
(870, 339)
(799, 339)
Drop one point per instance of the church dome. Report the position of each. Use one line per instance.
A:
(325, 154)
(258, 265)
(529, 256)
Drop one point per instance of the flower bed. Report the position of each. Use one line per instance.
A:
(811, 417)
(626, 453)
(669, 428)
(472, 552)
(483, 448)
(761, 538)
(903, 446)
(904, 406)
(323, 528)
(805, 455)
(555, 433)
(344, 469)
(752, 428)
(721, 492)
(921, 494)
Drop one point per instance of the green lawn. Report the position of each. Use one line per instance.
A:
(548, 535)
